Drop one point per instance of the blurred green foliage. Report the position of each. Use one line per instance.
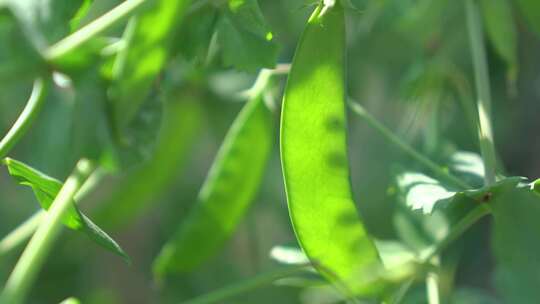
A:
(409, 65)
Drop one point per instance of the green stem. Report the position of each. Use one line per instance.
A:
(481, 76)
(432, 283)
(258, 281)
(21, 233)
(407, 149)
(463, 225)
(25, 120)
(33, 257)
(87, 32)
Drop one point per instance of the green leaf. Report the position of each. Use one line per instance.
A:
(515, 243)
(314, 156)
(230, 187)
(245, 39)
(132, 196)
(46, 188)
(46, 21)
(501, 31)
(194, 38)
(472, 296)
(422, 192)
(148, 41)
(531, 10)
(18, 55)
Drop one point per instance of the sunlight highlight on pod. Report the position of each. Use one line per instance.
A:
(314, 155)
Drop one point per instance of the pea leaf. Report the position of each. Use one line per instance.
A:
(422, 192)
(245, 39)
(45, 189)
(472, 296)
(501, 31)
(515, 243)
(531, 10)
(148, 38)
(18, 55)
(46, 21)
(229, 189)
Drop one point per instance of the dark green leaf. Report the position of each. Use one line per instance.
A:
(18, 55)
(245, 40)
(515, 243)
(46, 189)
(501, 31)
(531, 10)
(46, 21)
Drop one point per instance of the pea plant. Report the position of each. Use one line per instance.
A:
(126, 100)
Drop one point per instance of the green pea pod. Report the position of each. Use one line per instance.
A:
(230, 187)
(314, 155)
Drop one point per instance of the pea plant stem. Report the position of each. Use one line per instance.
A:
(87, 32)
(26, 119)
(457, 230)
(258, 281)
(481, 76)
(21, 233)
(407, 149)
(33, 257)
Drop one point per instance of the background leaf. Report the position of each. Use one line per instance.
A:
(245, 39)
(515, 244)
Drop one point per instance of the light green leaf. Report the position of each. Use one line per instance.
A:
(245, 40)
(422, 192)
(314, 157)
(231, 186)
(501, 31)
(46, 189)
(515, 243)
(148, 41)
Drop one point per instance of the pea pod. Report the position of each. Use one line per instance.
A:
(231, 185)
(314, 154)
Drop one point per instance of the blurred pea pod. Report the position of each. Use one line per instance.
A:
(148, 40)
(181, 121)
(230, 187)
(314, 156)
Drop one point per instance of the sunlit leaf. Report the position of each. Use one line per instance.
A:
(46, 188)
(148, 41)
